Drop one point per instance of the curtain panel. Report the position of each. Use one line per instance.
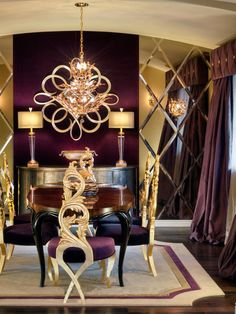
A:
(209, 221)
(210, 212)
(195, 75)
(223, 61)
(194, 137)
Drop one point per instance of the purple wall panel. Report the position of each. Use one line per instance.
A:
(36, 55)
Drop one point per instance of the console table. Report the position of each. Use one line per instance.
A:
(42, 175)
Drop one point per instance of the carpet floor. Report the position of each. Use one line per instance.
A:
(180, 281)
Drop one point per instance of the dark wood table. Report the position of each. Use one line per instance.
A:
(45, 201)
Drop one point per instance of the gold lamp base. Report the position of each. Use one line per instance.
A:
(32, 164)
(121, 163)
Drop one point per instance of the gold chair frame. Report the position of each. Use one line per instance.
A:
(74, 185)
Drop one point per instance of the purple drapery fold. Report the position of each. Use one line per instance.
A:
(223, 61)
(227, 259)
(209, 218)
(194, 137)
(195, 75)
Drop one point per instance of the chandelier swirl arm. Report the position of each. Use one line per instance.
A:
(76, 122)
(57, 86)
(99, 120)
(54, 114)
(98, 124)
(110, 96)
(54, 121)
(42, 103)
(54, 75)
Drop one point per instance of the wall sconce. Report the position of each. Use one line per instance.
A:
(121, 120)
(177, 107)
(31, 120)
(151, 101)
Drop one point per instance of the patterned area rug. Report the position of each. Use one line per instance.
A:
(180, 281)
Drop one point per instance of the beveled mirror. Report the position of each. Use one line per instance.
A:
(6, 100)
(179, 136)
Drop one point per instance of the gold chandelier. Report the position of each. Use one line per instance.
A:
(177, 107)
(79, 92)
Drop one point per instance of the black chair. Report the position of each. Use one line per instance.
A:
(18, 229)
(143, 234)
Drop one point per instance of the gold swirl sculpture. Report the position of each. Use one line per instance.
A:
(74, 94)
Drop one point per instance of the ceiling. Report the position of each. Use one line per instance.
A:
(204, 23)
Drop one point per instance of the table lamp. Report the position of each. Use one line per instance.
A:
(31, 120)
(121, 120)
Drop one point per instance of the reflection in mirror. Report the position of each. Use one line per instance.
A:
(6, 132)
(180, 143)
(6, 100)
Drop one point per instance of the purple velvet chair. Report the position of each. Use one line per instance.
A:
(18, 229)
(143, 234)
(20, 234)
(73, 245)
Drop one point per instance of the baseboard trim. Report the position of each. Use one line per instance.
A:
(173, 223)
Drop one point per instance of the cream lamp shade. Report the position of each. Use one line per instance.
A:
(121, 120)
(30, 120)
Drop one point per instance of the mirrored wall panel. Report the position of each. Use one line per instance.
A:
(180, 110)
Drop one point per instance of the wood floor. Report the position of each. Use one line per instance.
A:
(206, 254)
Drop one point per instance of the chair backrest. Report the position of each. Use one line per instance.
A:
(152, 201)
(2, 214)
(9, 199)
(149, 193)
(73, 212)
(144, 193)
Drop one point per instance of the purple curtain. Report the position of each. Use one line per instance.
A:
(194, 137)
(227, 259)
(211, 208)
(195, 74)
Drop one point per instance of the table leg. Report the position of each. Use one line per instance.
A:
(36, 225)
(125, 222)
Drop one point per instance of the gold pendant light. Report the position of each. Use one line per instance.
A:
(77, 97)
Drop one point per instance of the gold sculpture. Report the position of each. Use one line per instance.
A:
(85, 163)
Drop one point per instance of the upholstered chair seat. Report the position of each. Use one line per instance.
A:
(22, 234)
(22, 218)
(103, 247)
(138, 235)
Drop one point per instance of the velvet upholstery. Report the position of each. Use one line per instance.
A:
(102, 247)
(22, 234)
(135, 220)
(138, 234)
(22, 219)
